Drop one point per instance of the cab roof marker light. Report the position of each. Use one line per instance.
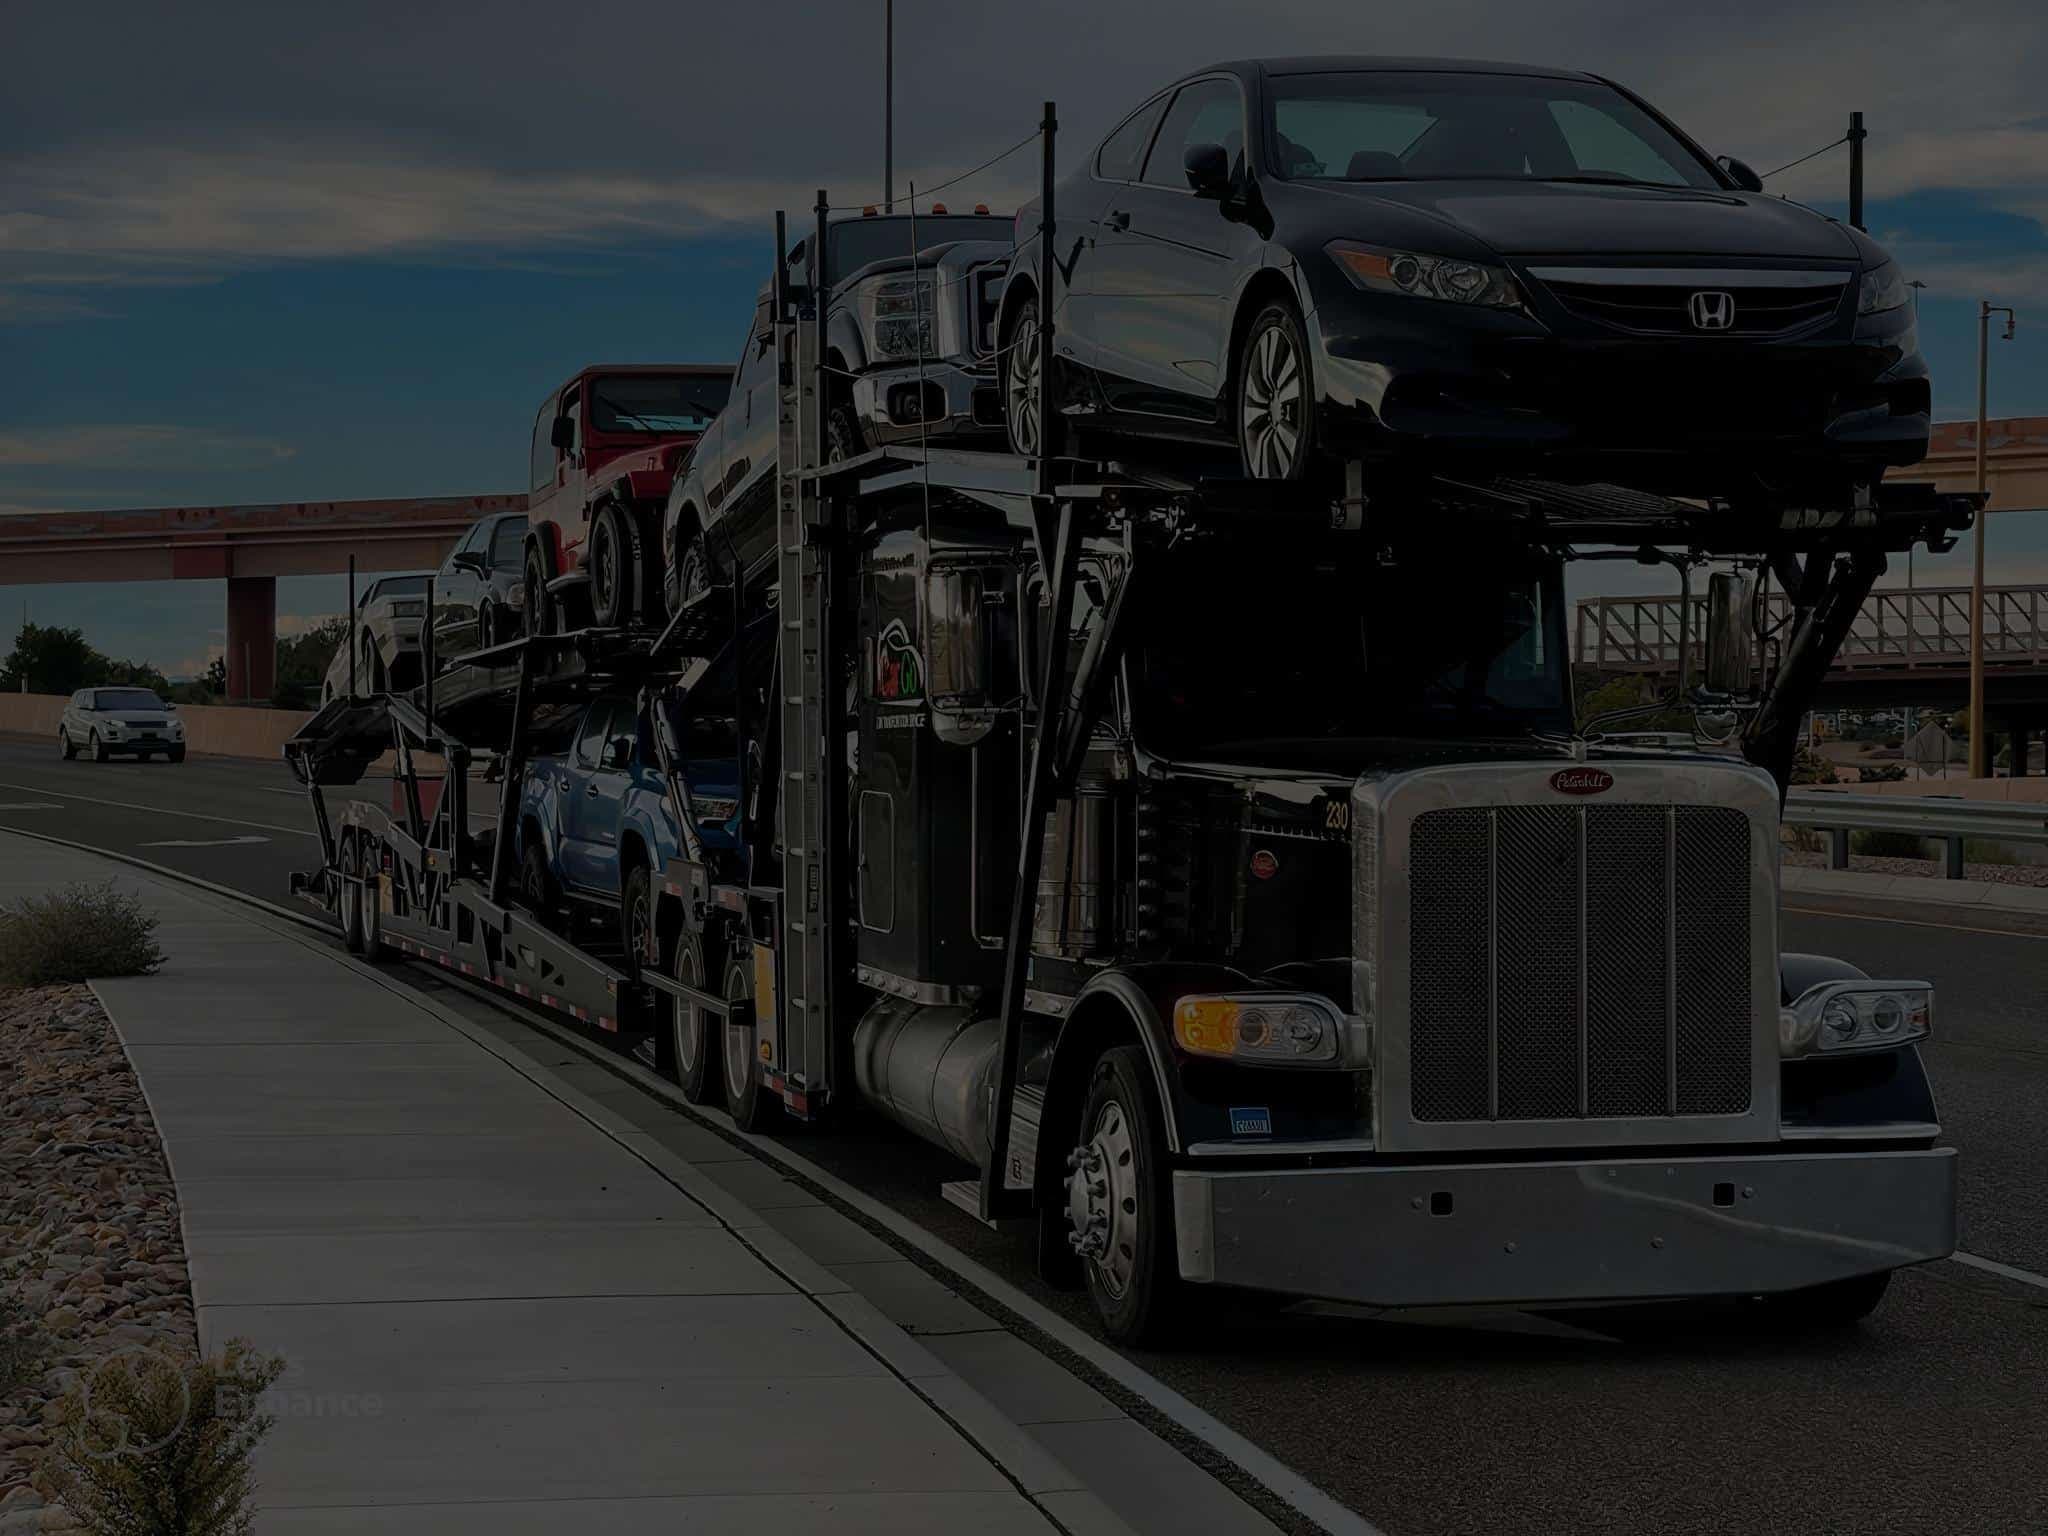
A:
(1838, 1017)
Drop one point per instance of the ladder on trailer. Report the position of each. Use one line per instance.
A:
(810, 793)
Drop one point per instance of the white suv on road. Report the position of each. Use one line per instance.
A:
(104, 721)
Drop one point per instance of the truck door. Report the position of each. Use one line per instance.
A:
(585, 820)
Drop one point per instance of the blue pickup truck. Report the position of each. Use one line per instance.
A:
(595, 809)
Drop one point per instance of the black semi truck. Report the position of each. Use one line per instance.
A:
(1218, 868)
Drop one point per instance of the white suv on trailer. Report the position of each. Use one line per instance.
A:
(104, 721)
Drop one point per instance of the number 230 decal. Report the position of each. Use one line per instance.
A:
(1336, 815)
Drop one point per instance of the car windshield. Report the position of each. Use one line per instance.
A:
(857, 242)
(656, 402)
(395, 586)
(1350, 649)
(1421, 125)
(126, 698)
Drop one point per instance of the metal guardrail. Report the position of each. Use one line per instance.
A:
(1898, 627)
(1931, 816)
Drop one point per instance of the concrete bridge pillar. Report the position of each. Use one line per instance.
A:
(252, 639)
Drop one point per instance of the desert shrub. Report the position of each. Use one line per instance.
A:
(1881, 773)
(1888, 845)
(152, 1445)
(1977, 850)
(1809, 767)
(79, 932)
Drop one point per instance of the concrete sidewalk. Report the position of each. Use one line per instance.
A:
(497, 1316)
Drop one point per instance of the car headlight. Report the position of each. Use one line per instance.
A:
(1273, 1029)
(1883, 288)
(1841, 1016)
(112, 728)
(896, 312)
(515, 596)
(1426, 277)
(715, 807)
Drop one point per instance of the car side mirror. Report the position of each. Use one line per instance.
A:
(1208, 168)
(1741, 174)
(618, 754)
(1730, 650)
(562, 435)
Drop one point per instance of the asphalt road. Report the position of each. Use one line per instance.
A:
(1926, 1418)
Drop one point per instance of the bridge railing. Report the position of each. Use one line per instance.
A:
(1950, 822)
(1898, 627)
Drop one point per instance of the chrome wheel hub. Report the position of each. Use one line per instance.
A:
(1102, 1200)
(739, 1043)
(1272, 416)
(1021, 372)
(691, 973)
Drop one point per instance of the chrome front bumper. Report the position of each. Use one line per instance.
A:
(958, 402)
(1611, 1229)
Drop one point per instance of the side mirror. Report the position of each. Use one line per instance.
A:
(618, 754)
(562, 435)
(1208, 168)
(1730, 649)
(1741, 174)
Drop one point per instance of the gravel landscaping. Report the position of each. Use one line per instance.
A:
(91, 1250)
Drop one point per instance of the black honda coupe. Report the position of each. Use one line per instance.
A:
(1483, 267)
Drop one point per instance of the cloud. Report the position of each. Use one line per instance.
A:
(137, 446)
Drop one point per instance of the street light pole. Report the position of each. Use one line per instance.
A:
(1980, 734)
(888, 106)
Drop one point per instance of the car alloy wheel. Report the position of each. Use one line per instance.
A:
(1273, 423)
(65, 744)
(486, 627)
(842, 436)
(1021, 382)
(540, 605)
(99, 748)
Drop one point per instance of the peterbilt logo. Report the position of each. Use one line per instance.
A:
(1582, 781)
(1711, 311)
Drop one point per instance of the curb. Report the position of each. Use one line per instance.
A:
(1926, 890)
(1059, 1495)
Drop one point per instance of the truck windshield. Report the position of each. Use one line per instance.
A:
(656, 402)
(1347, 650)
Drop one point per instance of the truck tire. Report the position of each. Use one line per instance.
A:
(537, 885)
(695, 1029)
(540, 602)
(351, 902)
(636, 915)
(1817, 1308)
(1120, 1208)
(753, 1108)
(613, 559)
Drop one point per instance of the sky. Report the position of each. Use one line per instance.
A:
(273, 253)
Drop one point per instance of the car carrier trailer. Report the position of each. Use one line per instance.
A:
(1215, 866)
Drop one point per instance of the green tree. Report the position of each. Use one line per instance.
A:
(47, 659)
(302, 663)
(1630, 692)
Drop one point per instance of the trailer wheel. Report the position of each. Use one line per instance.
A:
(695, 1029)
(611, 559)
(351, 904)
(746, 1095)
(370, 901)
(1119, 1207)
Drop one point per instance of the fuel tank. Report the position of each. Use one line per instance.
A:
(931, 1068)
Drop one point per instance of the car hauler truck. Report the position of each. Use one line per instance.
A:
(1217, 868)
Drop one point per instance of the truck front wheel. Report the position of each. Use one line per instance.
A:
(1118, 1205)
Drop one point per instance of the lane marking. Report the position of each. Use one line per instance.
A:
(1992, 1266)
(30, 805)
(1913, 922)
(206, 842)
(163, 810)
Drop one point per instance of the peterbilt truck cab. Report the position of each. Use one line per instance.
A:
(1356, 971)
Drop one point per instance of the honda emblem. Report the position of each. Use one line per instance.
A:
(1712, 311)
(1582, 781)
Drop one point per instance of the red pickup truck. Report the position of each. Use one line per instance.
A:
(606, 447)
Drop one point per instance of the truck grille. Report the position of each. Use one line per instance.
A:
(1579, 962)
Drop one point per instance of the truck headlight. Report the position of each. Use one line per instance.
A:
(1426, 277)
(1883, 288)
(1274, 1029)
(896, 312)
(1839, 1016)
